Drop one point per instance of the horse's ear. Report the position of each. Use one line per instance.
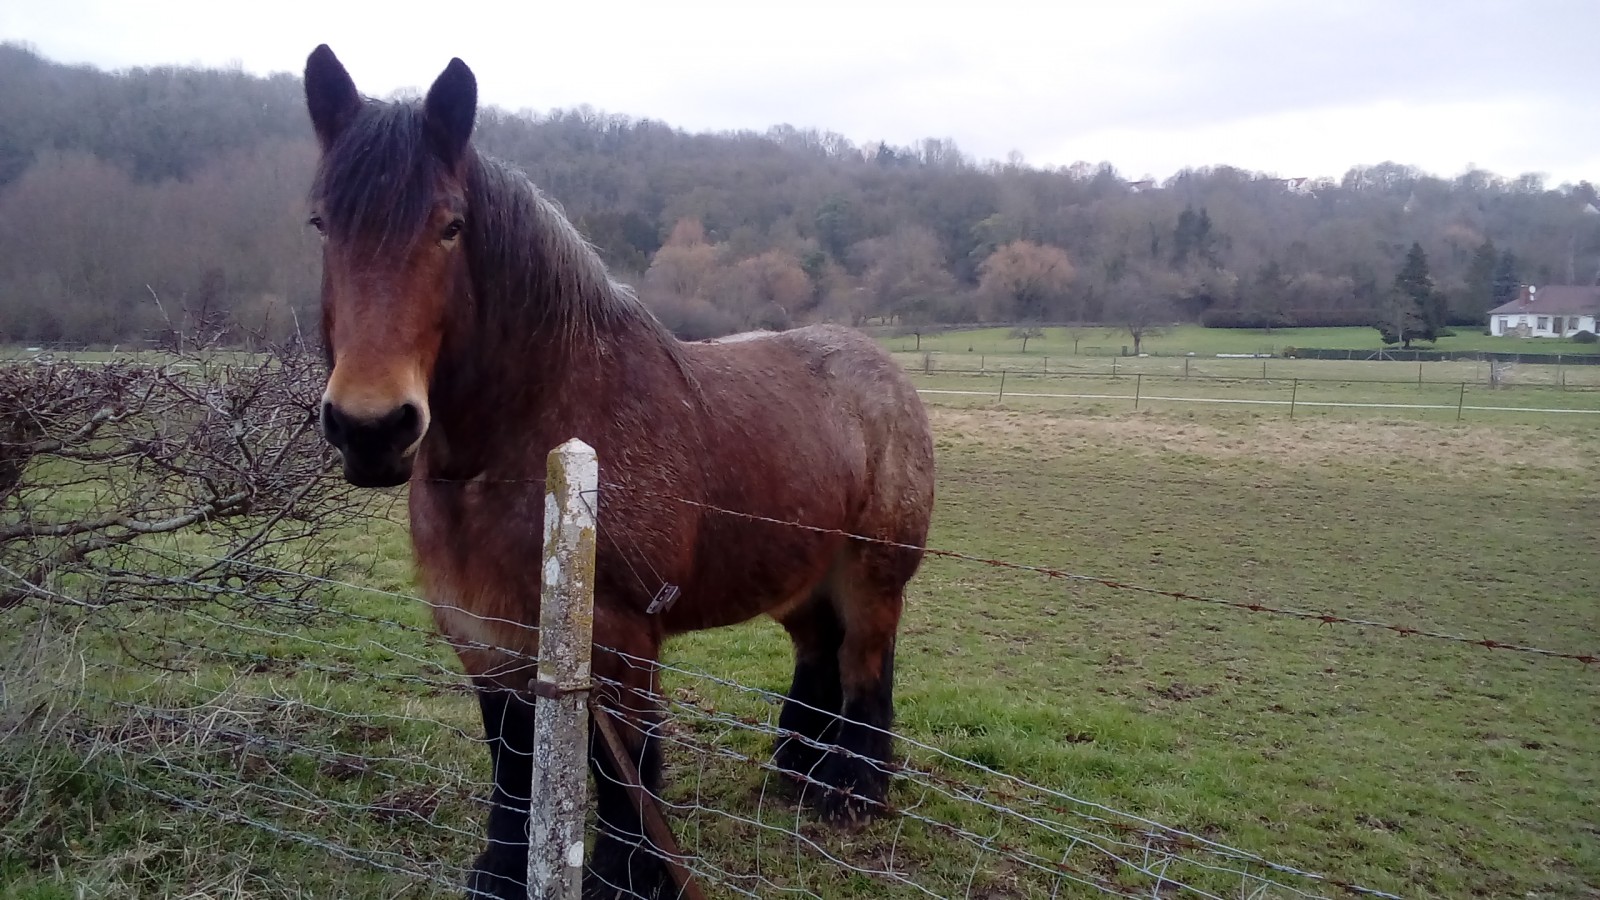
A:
(451, 106)
(331, 95)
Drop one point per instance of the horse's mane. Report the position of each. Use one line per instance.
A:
(533, 274)
(524, 250)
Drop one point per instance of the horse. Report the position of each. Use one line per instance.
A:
(469, 329)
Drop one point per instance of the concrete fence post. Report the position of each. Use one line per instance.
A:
(561, 708)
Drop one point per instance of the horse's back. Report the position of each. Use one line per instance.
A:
(839, 393)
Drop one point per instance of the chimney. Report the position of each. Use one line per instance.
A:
(1527, 294)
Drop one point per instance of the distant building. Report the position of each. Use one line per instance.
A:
(1557, 310)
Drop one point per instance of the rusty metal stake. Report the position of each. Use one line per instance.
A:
(655, 824)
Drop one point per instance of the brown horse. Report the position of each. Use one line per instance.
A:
(470, 330)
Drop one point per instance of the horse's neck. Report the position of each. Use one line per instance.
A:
(504, 393)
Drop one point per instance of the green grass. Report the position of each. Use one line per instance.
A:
(1447, 372)
(1274, 398)
(1210, 341)
(1417, 766)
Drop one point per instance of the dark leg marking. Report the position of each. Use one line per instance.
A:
(815, 694)
(861, 771)
(501, 870)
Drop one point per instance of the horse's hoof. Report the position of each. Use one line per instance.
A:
(855, 793)
(498, 876)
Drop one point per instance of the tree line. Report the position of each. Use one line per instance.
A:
(131, 198)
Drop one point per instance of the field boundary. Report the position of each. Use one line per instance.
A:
(1257, 402)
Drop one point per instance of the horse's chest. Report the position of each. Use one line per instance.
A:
(477, 554)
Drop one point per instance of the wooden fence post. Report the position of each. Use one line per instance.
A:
(1002, 397)
(1294, 394)
(561, 709)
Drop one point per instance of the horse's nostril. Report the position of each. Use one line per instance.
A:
(403, 425)
(408, 418)
(332, 422)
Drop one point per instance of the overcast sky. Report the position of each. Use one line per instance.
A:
(1302, 88)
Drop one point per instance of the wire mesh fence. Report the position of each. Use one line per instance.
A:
(354, 736)
(340, 723)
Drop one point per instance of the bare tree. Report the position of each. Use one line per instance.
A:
(1024, 333)
(767, 290)
(1025, 280)
(1142, 313)
(905, 275)
(684, 267)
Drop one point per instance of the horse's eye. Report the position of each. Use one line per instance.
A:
(453, 230)
(316, 222)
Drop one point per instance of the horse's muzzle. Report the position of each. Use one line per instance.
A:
(377, 452)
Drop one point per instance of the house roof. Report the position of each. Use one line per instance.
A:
(1556, 299)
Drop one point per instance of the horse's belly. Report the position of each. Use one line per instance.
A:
(747, 578)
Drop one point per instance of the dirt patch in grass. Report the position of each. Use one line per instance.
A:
(1450, 448)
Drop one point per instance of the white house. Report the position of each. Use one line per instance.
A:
(1557, 310)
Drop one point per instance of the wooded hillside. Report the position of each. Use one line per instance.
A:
(189, 185)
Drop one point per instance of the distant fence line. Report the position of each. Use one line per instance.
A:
(1292, 403)
(1548, 359)
(1364, 355)
(1119, 372)
(1282, 385)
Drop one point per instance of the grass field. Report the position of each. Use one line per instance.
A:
(1444, 372)
(1420, 767)
(1273, 398)
(1210, 341)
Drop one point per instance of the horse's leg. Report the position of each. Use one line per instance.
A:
(501, 870)
(815, 699)
(870, 611)
(622, 863)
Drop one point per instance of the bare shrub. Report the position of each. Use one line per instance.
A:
(180, 478)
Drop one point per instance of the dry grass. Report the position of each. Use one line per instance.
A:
(1458, 450)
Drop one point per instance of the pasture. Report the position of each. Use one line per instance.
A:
(1419, 767)
(1176, 341)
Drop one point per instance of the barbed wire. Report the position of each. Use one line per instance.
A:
(1050, 572)
(1117, 584)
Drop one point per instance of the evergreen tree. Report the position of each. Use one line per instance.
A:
(1415, 310)
(1478, 297)
(1507, 279)
(1268, 303)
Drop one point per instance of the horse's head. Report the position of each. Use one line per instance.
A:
(390, 203)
